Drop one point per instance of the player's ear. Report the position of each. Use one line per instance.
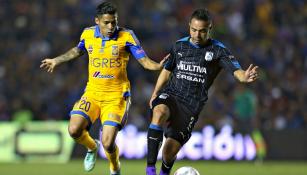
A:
(210, 26)
(96, 20)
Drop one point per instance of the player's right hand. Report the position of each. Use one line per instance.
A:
(152, 99)
(48, 64)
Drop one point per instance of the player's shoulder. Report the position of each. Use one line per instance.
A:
(217, 43)
(183, 40)
(89, 30)
(181, 43)
(125, 31)
(128, 35)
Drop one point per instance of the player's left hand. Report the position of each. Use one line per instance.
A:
(251, 73)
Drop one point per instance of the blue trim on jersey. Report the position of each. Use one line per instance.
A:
(127, 94)
(236, 64)
(83, 115)
(103, 43)
(111, 123)
(184, 39)
(155, 127)
(97, 33)
(168, 63)
(136, 50)
(187, 39)
(218, 43)
(167, 66)
(194, 45)
(81, 45)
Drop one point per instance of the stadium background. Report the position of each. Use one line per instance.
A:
(268, 33)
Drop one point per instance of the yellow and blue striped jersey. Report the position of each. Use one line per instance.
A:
(108, 58)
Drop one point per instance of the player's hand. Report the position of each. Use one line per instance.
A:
(48, 64)
(163, 60)
(251, 74)
(151, 100)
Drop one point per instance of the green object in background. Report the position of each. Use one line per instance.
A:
(23, 116)
(7, 141)
(35, 142)
(245, 102)
(39, 142)
(260, 144)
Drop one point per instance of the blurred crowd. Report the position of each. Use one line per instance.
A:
(269, 33)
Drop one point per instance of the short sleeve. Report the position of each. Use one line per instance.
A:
(170, 63)
(81, 44)
(228, 61)
(133, 46)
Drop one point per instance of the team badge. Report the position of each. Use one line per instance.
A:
(209, 56)
(101, 50)
(90, 49)
(163, 96)
(115, 51)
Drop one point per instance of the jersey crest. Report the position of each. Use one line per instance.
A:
(209, 56)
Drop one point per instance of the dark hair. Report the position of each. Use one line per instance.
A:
(201, 14)
(106, 8)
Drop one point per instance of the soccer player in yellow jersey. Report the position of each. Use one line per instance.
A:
(107, 93)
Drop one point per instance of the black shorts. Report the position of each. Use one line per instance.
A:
(181, 121)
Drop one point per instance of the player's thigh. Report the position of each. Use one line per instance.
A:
(181, 124)
(162, 107)
(161, 114)
(109, 134)
(77, 123)
(85, 112)
(114, 112)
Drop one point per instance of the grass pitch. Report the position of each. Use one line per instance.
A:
(137, 167)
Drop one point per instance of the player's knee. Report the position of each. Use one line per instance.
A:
(108, 146)
(168, 155)
(74, 131)
(160, 115)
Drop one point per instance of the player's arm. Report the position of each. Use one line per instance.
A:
(149, 64)
(134, 47)
(229, 62)
(50, 64)
(162, 80)
(247, 76)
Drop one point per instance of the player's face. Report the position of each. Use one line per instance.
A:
(199, 31)
(107, 24)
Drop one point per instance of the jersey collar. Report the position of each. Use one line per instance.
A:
(200, 46)
(97, 34)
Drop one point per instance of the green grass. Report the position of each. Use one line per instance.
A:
(136, 167)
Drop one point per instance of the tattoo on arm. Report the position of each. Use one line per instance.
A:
(69, 55)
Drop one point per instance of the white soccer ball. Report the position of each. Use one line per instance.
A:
(186, 170)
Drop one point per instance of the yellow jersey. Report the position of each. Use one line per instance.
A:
(108, 58)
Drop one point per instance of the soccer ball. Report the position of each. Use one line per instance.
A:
(186, 170)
